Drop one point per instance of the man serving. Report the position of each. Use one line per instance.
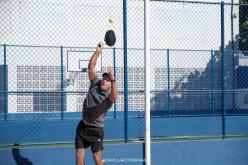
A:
(100, 98)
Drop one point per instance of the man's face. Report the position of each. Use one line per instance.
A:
(105, 84)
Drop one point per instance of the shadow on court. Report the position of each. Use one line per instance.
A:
(20, 160)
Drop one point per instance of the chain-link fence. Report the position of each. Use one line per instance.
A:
(198, 68)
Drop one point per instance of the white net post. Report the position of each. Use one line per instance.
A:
(147, 86)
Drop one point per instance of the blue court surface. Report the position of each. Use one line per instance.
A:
(189, 152)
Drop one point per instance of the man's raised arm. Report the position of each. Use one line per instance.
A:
(113, 94)
(93, 61)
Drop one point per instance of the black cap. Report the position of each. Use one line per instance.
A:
(110, 38)
(105, 74)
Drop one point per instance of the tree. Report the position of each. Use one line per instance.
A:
(243, 26)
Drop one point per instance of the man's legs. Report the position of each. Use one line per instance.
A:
(98, 157)
(80, 156)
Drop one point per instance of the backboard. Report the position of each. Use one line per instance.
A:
(77, 61)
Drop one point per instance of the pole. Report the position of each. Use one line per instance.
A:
(223, 71)
(5, 84)
(125, 69)
(147, 86)
(115, 78)
(62, 83)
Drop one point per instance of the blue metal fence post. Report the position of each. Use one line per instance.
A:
(212, 80)
(223, 70)
(62, 83)
(168, 80)
(125, 69)
(5, 84)
(114, 60)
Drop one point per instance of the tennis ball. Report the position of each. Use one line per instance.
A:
(111, 19)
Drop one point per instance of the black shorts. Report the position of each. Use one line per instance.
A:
(89, 136)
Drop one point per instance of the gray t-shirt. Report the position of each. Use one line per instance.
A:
(96, 104)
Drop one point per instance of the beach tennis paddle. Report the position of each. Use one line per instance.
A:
(110, 38)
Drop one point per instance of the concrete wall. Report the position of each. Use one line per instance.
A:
(59, 131)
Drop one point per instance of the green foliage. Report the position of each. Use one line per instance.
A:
(243, 27)
(243, 1)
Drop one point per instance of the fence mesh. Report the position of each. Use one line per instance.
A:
(46, 45)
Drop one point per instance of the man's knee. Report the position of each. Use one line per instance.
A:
(79, 153)
(97, 156)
